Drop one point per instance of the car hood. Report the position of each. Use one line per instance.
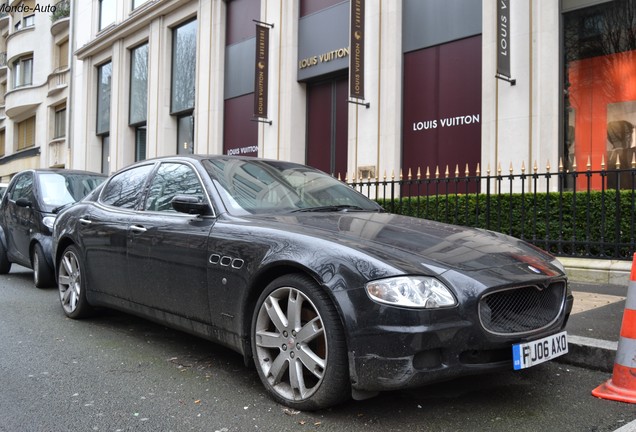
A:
(407, 241)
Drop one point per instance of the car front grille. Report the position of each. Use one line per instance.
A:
(521, 310)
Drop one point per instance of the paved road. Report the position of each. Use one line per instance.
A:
(120, 373)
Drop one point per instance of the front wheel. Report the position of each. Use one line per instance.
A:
(70, 276)
(298, 345)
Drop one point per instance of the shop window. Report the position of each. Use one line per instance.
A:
(138, 85)
(60, 122)
(185, 134)
(600, 92)
(104, 76)
(22, 72)
(105, 154)
(184, 53)
(140, 143)
(26, 133)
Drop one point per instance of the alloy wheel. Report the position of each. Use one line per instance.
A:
(69, 281)
(291, 344)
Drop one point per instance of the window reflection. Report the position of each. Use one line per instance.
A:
(125, 189)
(184, 58)
(170, 180)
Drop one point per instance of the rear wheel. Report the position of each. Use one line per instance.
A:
(42, 272)
(5, 264)
(70, 284)
(298, 345)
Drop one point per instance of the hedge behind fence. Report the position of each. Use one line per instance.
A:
(592, 224)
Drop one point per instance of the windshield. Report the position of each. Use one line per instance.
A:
(58, 189)
(260, 187)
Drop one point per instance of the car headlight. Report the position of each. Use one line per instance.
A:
(411, 291)
(48, 221)
(558, 264)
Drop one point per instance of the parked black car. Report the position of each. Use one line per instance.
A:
(27, 212)
(327, 294)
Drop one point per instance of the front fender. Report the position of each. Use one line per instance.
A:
(47, 247)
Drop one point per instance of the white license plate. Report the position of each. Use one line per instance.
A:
(532, 353)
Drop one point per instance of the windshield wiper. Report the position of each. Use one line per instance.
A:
(329, 208)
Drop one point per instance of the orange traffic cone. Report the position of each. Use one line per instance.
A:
(622, 385)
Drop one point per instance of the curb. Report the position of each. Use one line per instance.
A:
(613, 272)
(590, 353)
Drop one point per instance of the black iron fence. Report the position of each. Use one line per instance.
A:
(588, 214)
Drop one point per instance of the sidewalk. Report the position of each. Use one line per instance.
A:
(595, 323)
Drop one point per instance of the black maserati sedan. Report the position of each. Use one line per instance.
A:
(328, 295)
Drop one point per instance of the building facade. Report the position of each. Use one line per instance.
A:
(34, 84)
(357, 88)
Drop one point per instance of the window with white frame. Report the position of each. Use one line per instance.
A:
(60, 122)
(23, 71)
(107, 13)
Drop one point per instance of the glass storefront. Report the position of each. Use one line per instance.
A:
(600, 91)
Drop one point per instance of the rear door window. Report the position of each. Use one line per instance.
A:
(125, 189)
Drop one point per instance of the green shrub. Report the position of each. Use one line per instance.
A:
(594, 223)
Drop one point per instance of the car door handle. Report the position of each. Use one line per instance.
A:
(137, 229)
(85, 221)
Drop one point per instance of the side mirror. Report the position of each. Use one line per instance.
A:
(23, 202)
(190, 204)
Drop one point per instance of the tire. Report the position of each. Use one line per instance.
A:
(5, 264)
(42, 272)
(298, 345)
(70, 271)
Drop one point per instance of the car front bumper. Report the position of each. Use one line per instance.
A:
(385, 357)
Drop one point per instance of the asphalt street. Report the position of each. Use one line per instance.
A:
(119, 373)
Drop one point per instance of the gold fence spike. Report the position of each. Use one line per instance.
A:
(392, 175)
(547, 166)
(456, 170)
(535, 168)
(523, 167)
(428, 173)
(488, 170)
(384, 175)
(437, 172)
(410, 176)
(560, 164)
(574, 164)
(401, 176)
(467, 172)
(618, 163)
(478, 171)
(603, 163)
(419, 173)
(589, 163)
(499, 168)
(634, 160)
(447, 173)
(510, 169)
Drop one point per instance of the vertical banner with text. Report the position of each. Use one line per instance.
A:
(503, 38)
(356, 41)
(260, 76)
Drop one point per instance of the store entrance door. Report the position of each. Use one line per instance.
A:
(327, 126)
